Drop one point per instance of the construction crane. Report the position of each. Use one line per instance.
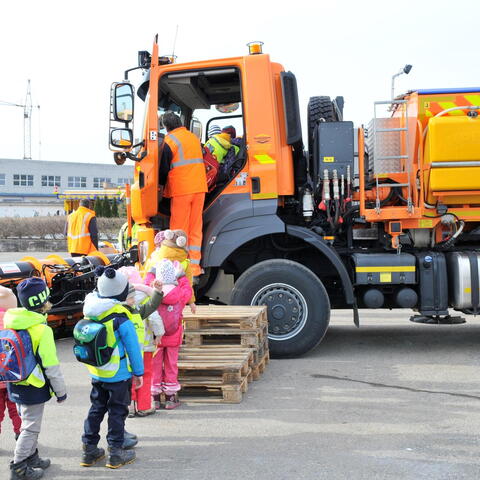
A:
(27, 121)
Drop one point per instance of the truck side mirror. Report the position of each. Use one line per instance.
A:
(121, 137)
(123, 102)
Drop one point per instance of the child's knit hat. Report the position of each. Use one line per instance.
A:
(7, 298)
(159, 238)
(230, 129)
(165, 272)
(111, 284)
(132, 274)
(175, 239)
(33, 293)
(213, 130)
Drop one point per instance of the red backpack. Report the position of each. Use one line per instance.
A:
(211, 167)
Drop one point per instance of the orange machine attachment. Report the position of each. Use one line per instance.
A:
(436, 162)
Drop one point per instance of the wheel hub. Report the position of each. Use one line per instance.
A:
(287, 310)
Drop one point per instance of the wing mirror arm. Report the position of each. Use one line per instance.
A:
(121, 157)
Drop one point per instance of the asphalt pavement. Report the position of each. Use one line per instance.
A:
(391, 400)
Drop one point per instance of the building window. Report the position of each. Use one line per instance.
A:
(123, 181)
(50, 181)
(23, 180)
(2, 179)
(77, 182)
(99, 181)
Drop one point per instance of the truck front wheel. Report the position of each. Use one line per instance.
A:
(297, 302)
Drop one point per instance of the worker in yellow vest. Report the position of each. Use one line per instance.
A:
(124, 243)
(82, 231)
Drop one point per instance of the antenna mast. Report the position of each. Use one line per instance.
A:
(174, 42)
(27, 125)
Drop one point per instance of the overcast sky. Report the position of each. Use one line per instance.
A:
(72, 51)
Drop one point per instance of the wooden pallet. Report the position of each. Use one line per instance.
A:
(209, 352)
(231, 365)
(225, 348)
(225, 316)
(259, 368)
(214, 394)
(253, 338)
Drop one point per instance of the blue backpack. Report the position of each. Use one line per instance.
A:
(17, 360)
(91, 345)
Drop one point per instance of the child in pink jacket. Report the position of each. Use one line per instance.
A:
(8, 300)
(176, 294)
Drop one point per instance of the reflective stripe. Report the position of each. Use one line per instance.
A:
(181, 163)
(79, 236)
(195, 248)
(86, 217)
(196, 262)
(111, 368)
(179, 146)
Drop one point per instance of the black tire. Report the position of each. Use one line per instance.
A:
(287, 288)
(318, 108)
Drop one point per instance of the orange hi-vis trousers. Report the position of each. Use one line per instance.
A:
(186, 214)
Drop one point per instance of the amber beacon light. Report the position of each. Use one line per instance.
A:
(254, 48)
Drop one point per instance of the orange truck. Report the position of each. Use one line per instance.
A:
(386, 215)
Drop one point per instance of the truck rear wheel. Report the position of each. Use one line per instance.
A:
(298, 304)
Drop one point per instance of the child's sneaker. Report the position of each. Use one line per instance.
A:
(132, 436)
(132, 410)
(172, 402)
(119, 457)
(146, 413)
(91, 455)
(34, 461)
(156, 401)
(21, 470)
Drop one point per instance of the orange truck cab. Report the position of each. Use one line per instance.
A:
(381, 216)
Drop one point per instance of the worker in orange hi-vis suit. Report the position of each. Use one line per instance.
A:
(186, 185)
(81, 230)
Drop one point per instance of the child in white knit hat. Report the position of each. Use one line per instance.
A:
(143, 301)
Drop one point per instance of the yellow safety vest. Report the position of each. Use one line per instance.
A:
(78, 233)
(36, 378)
(123, 242)
(111, 368)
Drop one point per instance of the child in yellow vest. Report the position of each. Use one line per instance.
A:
(143, 301)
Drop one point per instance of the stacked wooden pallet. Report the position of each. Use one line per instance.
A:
(225, 348)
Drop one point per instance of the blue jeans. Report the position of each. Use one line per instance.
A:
(113, 398)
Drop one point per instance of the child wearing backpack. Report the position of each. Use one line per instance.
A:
(111, 372)
(143, 301)
(8, 300)
(39, 371)
(176, 293)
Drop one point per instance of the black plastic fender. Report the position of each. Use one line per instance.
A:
(317, 241)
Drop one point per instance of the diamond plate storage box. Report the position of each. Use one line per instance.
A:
(384, 144)
(384, 268)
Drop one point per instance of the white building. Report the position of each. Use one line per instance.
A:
(29, 187)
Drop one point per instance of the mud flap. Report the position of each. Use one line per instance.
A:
(356, 316)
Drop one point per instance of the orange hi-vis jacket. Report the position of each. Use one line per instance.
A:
(78, 234)
(187, 171)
